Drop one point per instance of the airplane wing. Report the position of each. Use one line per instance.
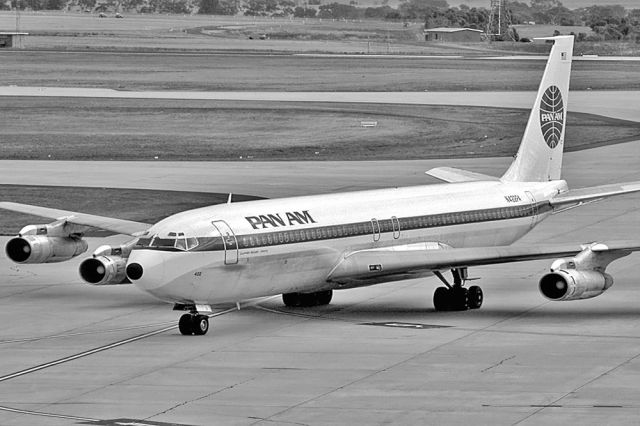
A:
(595, 193)
(453, 175)
(120, 226)
(376, 265)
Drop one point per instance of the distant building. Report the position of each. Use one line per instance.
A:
(12, 39)
(453, 35)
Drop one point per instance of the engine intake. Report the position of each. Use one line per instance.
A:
(43, 249)
(574, 284)
(104, 270)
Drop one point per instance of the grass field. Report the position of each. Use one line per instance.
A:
(173, 71)
(133, 204)
(142, 32)
(137, 129)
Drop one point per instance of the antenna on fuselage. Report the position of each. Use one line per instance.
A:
(229, 199)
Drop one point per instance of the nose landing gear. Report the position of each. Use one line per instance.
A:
(455, 297)
(193, 324)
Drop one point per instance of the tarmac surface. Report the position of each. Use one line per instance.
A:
(617, 104)
(76, 354)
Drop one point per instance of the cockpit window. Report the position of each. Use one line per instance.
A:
(176, 240)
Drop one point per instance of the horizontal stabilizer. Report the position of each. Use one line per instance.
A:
(120, 226)
(576, 196)
(453, 175)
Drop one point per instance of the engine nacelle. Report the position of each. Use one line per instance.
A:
(104, 270)
(43, 249)
(573, 284)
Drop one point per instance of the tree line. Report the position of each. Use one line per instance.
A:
(607, 22)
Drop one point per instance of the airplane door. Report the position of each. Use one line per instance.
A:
(229, 240)
(395, 226)
(375, 227)
(534, 207)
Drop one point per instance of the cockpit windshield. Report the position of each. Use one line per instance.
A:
(171, 240)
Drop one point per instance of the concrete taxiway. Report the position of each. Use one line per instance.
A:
(617, 104)
(75, 354)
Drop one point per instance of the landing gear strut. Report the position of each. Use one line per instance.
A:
(318, 298)
(455, 297)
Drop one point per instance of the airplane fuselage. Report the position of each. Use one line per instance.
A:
(231, 252)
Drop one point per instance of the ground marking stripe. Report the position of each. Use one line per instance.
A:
(39, 413)
(98, 349)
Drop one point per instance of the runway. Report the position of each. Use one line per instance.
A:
(617, 104)
(376, 355)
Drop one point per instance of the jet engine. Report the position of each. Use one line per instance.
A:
(107, 266)
(582, 276)
(44, 249)
(574, 284)
(50, 243)
(104, 270)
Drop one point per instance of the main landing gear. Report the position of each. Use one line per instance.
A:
(455, 297)
(319, 298)
(193, 323)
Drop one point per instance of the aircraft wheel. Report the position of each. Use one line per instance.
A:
(460, 299)
(292, 300)
(200, 324)
(185, 325)
(442, 299)
(324, 297)
(475, 297)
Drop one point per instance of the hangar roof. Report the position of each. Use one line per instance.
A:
(449, 30)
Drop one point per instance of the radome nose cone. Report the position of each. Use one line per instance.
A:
(134, 271)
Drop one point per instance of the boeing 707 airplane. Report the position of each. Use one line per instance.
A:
(306, 247)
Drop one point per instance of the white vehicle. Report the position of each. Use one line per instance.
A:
(306, 247)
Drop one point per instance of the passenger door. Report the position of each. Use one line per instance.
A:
(229, 240)
(534, 207)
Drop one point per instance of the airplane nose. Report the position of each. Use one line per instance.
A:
(134, 271)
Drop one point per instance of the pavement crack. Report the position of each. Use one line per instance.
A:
(555, 403)
(183, 403)
(497, 364)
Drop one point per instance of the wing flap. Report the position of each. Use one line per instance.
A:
(121, 226)
(575, 196)
(371, 265)
(453, 175)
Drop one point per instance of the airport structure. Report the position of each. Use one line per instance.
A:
(452, 35)
(499, 20)
(12, 39)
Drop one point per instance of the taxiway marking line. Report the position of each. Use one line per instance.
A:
(39, 413)
(99, 349)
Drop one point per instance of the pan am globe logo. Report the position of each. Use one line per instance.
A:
(551, 116)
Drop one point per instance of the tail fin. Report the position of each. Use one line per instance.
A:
(539, 157)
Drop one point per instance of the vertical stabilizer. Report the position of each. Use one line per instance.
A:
(539, 157)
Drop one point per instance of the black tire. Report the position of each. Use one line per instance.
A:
(459, 299)
(185, 325)
(475, 297)
(292, 300)
(324, 297)
(442, 299)
(200, 325)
